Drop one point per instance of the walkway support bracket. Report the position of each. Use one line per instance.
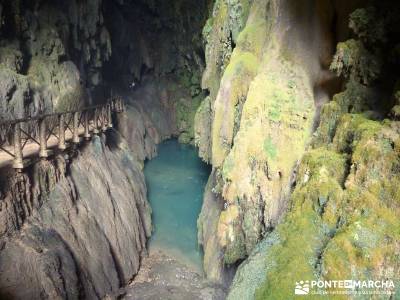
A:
(96, 122)
(18, 155)
(75, 138)
(43, 138)
(86, 135)
(61, 132)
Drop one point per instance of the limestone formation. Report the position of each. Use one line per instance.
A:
(344, 204)
(67, 239)
(294, 104)
(40, 49)
(262, 113)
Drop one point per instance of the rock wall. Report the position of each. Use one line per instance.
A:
(51, 55)
(75, 229)
(299, 187)
(57, 56)
(261, 118)
(258, 119)
(158, 55)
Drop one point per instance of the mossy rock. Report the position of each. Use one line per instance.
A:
(185, 111)
(345, 207)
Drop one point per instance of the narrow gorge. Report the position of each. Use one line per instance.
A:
(199, 149)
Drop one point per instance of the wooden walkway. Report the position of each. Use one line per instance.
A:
(23, 139)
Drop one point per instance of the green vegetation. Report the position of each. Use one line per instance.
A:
(342, 231)
(270, 148)
(346, 204)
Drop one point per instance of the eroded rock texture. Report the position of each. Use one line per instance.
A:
(257, 121)
(342, 218)
(62, 55)
(51, 55)
(86, 235)
(267, 124)
(77, 228)
(158, 58)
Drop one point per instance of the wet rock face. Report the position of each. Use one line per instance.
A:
(77, 229)
(261, 116)
(158, 56)
(345, 209)
(50, 54)
(165, 37)
(268, 77)
(343, 205)
(57, 56)
(86, 235)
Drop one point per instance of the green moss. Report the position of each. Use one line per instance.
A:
(207, 29)
(238, 12)
(347, 233)
(270, 148)
(218, 47)
(235, 83)
(185, 110)
(227, 168)
(352, 59)
(235, 251)
(202, 127)
(242, 63)
(355, 98)
(351, 129)
(330, 114)
(343, 216)
(251, 39)
(395, 112)
(322, 162)
(295, 258)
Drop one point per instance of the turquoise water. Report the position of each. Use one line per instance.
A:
(175, 181)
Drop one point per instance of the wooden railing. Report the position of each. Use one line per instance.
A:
(23, 138)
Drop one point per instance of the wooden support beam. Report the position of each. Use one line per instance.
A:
(75, 137)
(121, 107)
(18, 155)
(86, 135)
(42, 138)
(61, 132)
(109, 116)
(113, 104)
(96, 122)
(116, 104)
(104, 118)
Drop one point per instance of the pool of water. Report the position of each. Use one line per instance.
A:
(175, 181)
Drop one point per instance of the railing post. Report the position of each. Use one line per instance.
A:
(122, 105)
(96, 121)
(61, 132)
(42, 138)
(109, 116)
(75, 138)
(18, 155)
(112, 103)
(120, 109)
(86, 124)
(104, 118)
(116, 104)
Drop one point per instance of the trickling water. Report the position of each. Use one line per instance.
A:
(175, 180)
